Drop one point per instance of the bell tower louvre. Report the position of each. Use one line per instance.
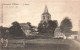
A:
(46, 15)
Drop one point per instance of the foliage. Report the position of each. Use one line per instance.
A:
(29, 23)
(47, 27)
(15, 30)
(66, 26)
(4, 32)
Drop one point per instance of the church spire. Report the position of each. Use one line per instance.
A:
(45, 15)
(46, 9)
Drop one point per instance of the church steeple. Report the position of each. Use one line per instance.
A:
(46, 9)
(45, 15)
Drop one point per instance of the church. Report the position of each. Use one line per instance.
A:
(45, 15)
(46, 25)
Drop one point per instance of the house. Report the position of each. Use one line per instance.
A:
(34, 29)
(74, 35)
(58, 33)
(26, 28)
(71, 35)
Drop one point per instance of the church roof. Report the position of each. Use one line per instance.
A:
(45, 11)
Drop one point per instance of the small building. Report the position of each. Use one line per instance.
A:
(26, 28)
(74, 35)
(34, 29)
(58, 33)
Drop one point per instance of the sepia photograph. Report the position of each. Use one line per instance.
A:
(39, 24)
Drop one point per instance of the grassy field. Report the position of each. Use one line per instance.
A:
(40, 44)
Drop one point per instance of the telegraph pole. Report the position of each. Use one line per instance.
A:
(2, 15)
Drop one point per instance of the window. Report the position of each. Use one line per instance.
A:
(43, 17)
(48, 17)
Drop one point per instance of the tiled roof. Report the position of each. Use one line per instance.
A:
(24, 26)
(74, 32)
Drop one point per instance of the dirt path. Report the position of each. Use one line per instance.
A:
(77, 43)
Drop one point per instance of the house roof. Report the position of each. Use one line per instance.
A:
(68, 34)
(25, 26)
(74, 32)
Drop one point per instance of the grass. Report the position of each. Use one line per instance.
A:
(41, 44)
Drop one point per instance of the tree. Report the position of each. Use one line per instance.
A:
(52, 25)
(1, 31)
(66, 26)
(29, 24)
(15, 30)
(47, 27)
(4, 32)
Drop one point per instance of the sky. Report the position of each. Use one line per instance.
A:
(25, 11)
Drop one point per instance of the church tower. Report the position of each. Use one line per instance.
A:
(45, 15)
